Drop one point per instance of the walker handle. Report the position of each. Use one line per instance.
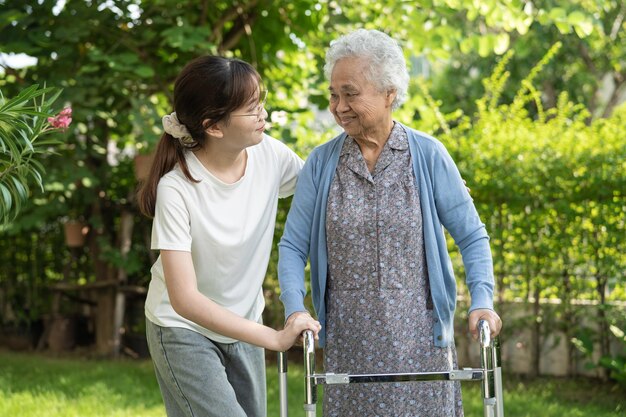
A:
(310, 388)
(493, 405)
(484, 333)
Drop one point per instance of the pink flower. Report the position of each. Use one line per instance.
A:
(62, 120)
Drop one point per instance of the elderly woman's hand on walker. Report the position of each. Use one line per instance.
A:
(490, 316)
(294, 329)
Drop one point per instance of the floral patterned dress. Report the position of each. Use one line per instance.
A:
(380, 313)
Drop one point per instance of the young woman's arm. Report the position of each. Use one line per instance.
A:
(187, 301)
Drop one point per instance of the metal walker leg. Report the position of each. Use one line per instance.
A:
(490, 374)
(282, 383)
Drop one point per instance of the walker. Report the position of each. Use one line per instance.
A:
(490, 373)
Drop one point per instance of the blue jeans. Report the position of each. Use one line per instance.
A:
(202, 378)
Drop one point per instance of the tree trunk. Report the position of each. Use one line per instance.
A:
(105, 300)
(603, 325)
(104, 294)
(568, 322)
(125, 241)
(601, 282)
(535, 356)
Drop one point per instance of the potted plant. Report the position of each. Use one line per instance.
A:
(75, 233)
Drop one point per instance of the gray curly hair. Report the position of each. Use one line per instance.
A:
(387, 66)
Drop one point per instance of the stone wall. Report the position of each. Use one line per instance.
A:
(516, 340)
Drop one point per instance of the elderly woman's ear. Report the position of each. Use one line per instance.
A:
(391, 95)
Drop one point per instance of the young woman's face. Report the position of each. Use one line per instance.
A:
(247, 123)
(358, 106)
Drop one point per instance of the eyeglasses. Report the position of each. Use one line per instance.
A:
(260, 106)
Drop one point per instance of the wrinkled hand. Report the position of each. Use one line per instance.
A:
(490, 316)
(297, 323)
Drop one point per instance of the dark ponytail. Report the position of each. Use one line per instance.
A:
(169, 152)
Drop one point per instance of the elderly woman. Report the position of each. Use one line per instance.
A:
(368, 211)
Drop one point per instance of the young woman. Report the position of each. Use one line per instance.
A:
(212, 192)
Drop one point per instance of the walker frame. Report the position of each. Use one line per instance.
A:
(490, 374)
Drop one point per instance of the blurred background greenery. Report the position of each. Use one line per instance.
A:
(528, 97)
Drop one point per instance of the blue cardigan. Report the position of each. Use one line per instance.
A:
(445, 202)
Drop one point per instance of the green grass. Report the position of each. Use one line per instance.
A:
(33, 385)
(552, 397)
(36, 385)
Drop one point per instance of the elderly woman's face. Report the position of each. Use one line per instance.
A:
(359, 108)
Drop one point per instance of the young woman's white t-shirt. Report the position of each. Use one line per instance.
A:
(228, 228)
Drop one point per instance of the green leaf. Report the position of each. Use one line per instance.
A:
(563, 27)
(523, 25)
(7, 199)
(501, 43)
(27, 137)
(576, 17)
(583, 29)
(557, 13)
(469, 44)
(144, 71)
(485, 45)
(184, 37)
(582, 24)
(7, 17)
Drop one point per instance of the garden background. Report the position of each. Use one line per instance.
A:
(528, 97)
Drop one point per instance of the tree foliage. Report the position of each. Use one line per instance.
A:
(23, 123)
(550, 187)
